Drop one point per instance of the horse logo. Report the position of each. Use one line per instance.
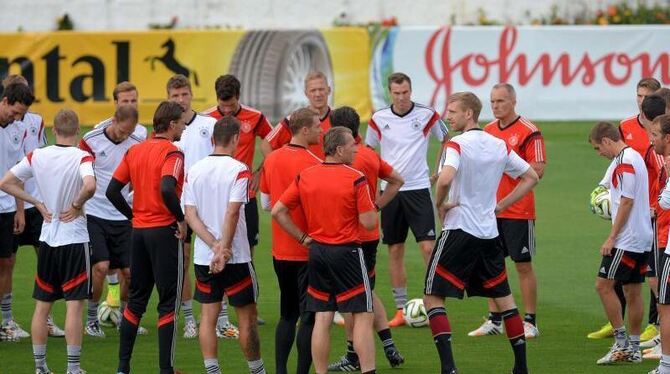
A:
(169, 60)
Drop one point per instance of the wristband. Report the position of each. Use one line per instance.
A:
(302, 238)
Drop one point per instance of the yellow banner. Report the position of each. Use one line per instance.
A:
(80, 70)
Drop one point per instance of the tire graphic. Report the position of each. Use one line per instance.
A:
(272, 65)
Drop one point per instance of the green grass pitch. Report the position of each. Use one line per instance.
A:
(568, 240)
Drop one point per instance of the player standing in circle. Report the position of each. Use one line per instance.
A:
(196, 143)
(516, 224)
(155, 168)
(402, 132)
(289, 257)
(467, 257)
(625, 251)
(109, 230)
(64, 174)
(216, 189)
(338, 278)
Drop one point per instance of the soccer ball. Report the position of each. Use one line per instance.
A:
(415, 313)
(108, 316)
(601, 203)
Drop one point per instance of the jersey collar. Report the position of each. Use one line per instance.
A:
(195, 114)
(104, 132)
(296, 145)
(474, 129)
(508, 126)
(325, 115)
(403, 115)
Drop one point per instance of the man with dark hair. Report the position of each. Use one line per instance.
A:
(368, 162)
(338, 278)
(155, 168)
(289, 256)
(65, 176)
(253, 124)
(402, 132)
(664, 92)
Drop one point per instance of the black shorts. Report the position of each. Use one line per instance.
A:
(370, 256)
(7, 235)
(664, 279)
(408, 209)
(110, 241)
(517, 238)
(338, 279)
(624, 266)
(292, 279)
(251, 215)
(237, 281)
(462, 262)
(31, 233)
(63, 273)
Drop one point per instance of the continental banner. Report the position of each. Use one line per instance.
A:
(79, 70)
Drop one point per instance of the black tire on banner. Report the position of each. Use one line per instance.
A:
(271, 65)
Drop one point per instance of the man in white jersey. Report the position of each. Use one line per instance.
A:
(402, 131)
(196, 143)
(64, 174)
(466, 256)
(625, 251)
(108, 229)
(215, 191)
(14, 103)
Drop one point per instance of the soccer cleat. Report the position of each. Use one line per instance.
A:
(636, 356)
(18, 331)
(488, 328)
(649, 332)
(140, 330)
(78, 371)
(93, 329)
(54, 330)
(530, 330)
(398, 320)
(338, 319)
(227, 331)
(651, 343)
(43, 371)
(394, 357)
(653, 353)
(605, 332)
(260, 321)
(616, 354)
(190, 330)
(113, 299)
(7, 334)
(343, 364)
(655, 371)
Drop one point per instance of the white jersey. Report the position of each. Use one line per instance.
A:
(108, 155)
(140, 131)
(480, 159)
(12, 138)
(196, 140)
(59, 172)
(209, 186)
(626, 176)
(36, 137)
(404, 141)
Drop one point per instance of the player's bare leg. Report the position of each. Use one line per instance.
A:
(321, 341)
(39, 333)
(664, 318)
(610, 301)
(100, 270)
(364, 343)
(398, 281)
(635, 303)
(247, 317)
(190, 325)
(528, 286)
(207, 336)
(426, 247)
(73, 333)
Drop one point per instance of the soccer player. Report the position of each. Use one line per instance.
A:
(317, 92)
(196, 143)
(64, 174)
(625, 251)
(15, 100)
(338, 278)
(516, 224)
(467, 256)
(289, 257)
(253, 124)
(109, 230)
(402, 132)
(368, 162)
(664, 92)
(155, 168)
(216, 188)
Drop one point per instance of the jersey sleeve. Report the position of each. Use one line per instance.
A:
(86, 167)
(515, 165)
(385, 169)
(436, 127)
(83, 145)
(280, 135)
(264, 185)
(42, 140)
(363, 199)
(188, 197)
(534, 149)
(173, 165)
(263, 128)
(291, 197)
(122, 172)
(628, 180)
(452, 155)
(373, 136)
(23, 170)
(240, 191)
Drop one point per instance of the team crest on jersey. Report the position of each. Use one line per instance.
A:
(514, 140)
(416, 124)
(16, 139)
(33, 131)
(245, 126)
(204, 133)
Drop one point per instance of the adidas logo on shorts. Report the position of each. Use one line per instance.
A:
(524, 250)
(602, 270)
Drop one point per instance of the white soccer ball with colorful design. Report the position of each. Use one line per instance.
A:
(601, 203)
(415, 313)
(108, 316)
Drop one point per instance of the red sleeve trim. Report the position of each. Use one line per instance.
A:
(360, 181)
(455, 146)
(30, 158)
(84, 146)
(373, 126)
(243, 174)
(430, 124)
(87, 158)
(619, 170)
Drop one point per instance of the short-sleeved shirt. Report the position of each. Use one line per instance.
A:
(404, 141)
(144, 165)
(140, 131)
(332, 195)
(634, 134)
(281, 135)
(12, 138)
(368, 162)
(108, 155)
(196, 140)
(211, 184)
(627, 177)
(36, 137)
(525, 139)
(59, 172)
(657, 177)
(281, 167)
(480, 159)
